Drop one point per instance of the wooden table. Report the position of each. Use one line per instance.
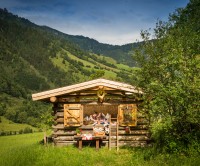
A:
(96, 138)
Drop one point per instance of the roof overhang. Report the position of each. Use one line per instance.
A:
(126, 88)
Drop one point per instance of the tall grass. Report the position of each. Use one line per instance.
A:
(22, 150)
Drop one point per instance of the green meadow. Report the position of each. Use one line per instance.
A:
(8, 125)
(25, 150)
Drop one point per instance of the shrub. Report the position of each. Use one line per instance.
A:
(27, 130)
(2, 133)
(21, 131)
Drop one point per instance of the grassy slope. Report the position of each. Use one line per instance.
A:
(110, 72)
(26, 150)
(58, 62)
(7, 125)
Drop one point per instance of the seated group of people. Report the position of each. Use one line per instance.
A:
(98, 118)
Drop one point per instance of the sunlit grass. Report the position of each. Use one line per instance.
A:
(22, 150)
(78, 59)
(7, 125)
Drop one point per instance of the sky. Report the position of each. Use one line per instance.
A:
(115, 22)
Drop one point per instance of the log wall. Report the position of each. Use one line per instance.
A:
(62, 136)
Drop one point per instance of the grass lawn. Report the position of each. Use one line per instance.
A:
(25, 150)
(7, 125)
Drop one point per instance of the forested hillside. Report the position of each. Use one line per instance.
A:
(36, 58)
(122, 54)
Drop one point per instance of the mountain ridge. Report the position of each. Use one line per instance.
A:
(121, 53)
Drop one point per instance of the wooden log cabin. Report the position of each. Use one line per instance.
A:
(99, 108)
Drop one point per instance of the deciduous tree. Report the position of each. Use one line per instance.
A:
(169, 76)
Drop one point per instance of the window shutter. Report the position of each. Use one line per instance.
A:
(127, 114)
(73, 115)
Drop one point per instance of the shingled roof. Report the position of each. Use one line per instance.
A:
(122, 87)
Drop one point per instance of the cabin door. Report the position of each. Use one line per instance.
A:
(73, 115)
(127, 114)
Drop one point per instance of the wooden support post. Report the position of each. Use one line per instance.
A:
(97, 143)
(80, 144)
(45, 138)
(79, 141)
(109, 139)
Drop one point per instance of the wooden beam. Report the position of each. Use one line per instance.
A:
(53, 99)
(107, 101)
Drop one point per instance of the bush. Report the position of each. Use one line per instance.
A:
(2, 133)
(27, 130)
(21, 131)
(170, 137)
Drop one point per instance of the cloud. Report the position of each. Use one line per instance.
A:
(108, 21)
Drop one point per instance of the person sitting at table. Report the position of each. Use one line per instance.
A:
(101, 118)
(94, 117)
